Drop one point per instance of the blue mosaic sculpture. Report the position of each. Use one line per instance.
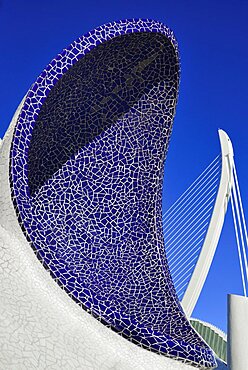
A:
(86, 172)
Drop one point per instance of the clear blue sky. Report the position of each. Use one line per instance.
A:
(213, 45)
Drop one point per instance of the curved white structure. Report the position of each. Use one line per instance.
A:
(215, 337)
(215, 226)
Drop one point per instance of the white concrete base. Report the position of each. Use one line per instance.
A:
(237, 337)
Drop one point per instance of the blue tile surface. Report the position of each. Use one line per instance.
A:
(86, 174)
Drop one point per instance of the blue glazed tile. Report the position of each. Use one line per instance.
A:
(87, 170)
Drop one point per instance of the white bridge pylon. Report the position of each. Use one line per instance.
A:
(208, 243)
(201, 270)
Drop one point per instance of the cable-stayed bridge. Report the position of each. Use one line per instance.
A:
(193, 224)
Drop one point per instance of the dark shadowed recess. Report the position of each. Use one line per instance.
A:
(96, 91)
